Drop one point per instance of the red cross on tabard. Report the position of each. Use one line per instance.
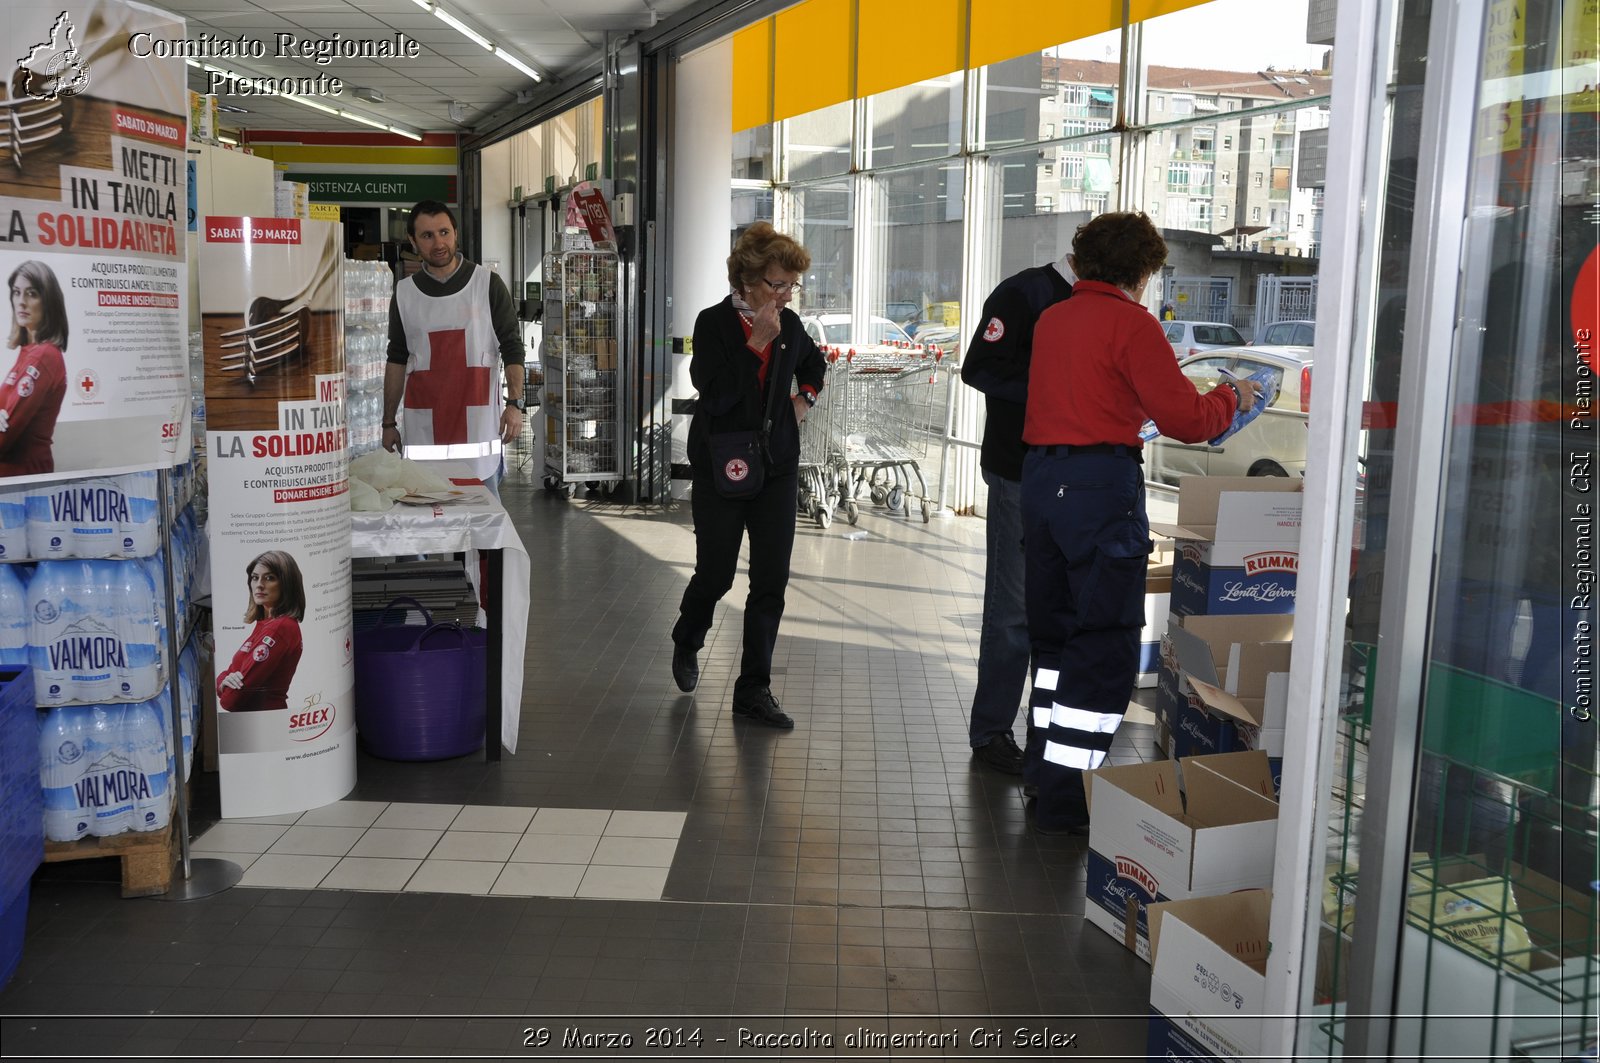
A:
(448, 386)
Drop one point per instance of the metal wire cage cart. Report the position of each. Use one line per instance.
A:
(581, 402)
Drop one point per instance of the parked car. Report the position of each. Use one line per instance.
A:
(1192, 337)
(1287, 334)
(833, 329)
(1274, 444)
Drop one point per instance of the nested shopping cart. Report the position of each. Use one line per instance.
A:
(824, 469)
(896, 406)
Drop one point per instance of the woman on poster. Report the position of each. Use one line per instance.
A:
(259, 675)
(31, 392)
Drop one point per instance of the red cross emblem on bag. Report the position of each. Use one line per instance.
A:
(736, 470)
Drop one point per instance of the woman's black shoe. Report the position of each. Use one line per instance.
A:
(759, 705)
(685, 668)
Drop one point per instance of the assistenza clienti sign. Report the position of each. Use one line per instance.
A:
(377, 188)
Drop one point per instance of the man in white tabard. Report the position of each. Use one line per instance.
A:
(452, 326)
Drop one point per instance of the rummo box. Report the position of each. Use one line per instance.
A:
(1157, 606)
(1208, 977)
(1150, 843)
(1237, 545)
(1235, 653)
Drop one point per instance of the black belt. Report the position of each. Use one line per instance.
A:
(1121, 450)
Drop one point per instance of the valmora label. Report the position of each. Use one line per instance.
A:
(1134, 872)
(1271, 561)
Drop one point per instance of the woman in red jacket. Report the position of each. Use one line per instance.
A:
(258, 677)
(31, 392)
(1101, 365)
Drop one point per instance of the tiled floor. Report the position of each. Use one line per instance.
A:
(858, 871)
(502, 851)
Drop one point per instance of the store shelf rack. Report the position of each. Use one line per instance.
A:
(580, 357)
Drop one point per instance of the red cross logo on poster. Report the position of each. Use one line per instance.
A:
(88, 383)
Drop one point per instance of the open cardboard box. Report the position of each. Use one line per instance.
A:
(1238, 545)
(1150, 843)
(1157, 607)
(1238, 655)
(1208, 978)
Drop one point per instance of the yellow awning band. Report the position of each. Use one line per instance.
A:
(822, 52)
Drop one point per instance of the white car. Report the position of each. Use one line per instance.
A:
(833, 330)
(1274, 444)
(1192, 337)
(1287, 334)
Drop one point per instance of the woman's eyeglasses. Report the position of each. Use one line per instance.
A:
(783, 287)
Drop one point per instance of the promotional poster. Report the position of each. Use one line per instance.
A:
(271, 299)
(92, 182)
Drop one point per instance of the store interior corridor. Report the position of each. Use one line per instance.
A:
(861, 871)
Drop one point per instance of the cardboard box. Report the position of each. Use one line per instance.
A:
(1239, 655)
(1238, 545)
(1148, 843)
(1208, 978)
(1157, 607)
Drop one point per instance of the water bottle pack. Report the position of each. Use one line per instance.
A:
(13, 617)
(107, 516)
(105, 769)
(94, 632)
(13, 523)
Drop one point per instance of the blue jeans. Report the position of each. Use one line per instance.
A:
(1003, 647)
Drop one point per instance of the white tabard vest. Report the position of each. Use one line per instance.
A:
(453, 398)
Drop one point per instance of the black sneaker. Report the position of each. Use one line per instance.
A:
(685, 668)
(1000, 753)
(759, 705)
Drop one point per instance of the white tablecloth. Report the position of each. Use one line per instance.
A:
(479, 524)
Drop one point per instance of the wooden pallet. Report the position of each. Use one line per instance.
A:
(147, 858)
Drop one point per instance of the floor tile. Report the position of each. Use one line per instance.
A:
(317, 841)
(288, 872)
(397, 842)
(284, 819)
(474, 845)
(507, 819)
(344, 814)
(555, 848)
(418, 816)
(626, 883)
(645, 824)
(370, 873)
(244, 860)
(635, 852)
(231, 836)
(454, 876)
(540, 880)
(570, 821)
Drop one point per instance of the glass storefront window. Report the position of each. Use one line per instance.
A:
(919, 239)
(824, 221)
(818, 143)
(917, 122)
(752, 154)
(1061, 92)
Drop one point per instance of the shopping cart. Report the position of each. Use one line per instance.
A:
(824, 470)
(895, 406)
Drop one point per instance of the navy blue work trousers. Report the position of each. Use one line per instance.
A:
(1087, 541)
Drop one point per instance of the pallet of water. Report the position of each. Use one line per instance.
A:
(105, 769)
(103, 516)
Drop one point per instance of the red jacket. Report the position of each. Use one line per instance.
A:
(31, 396)
(268, 658)
(1102, 367)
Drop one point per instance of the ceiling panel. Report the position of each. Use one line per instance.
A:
(553, 36)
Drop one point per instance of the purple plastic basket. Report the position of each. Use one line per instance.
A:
(13, 926)
(420, 688)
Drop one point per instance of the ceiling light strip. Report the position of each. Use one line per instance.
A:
(461, 27)
(315, 105)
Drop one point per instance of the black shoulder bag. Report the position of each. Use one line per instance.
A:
(739, 459)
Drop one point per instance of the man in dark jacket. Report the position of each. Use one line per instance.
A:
(996, 364)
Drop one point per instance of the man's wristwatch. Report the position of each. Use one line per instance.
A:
(811, 400)
(520, 404)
